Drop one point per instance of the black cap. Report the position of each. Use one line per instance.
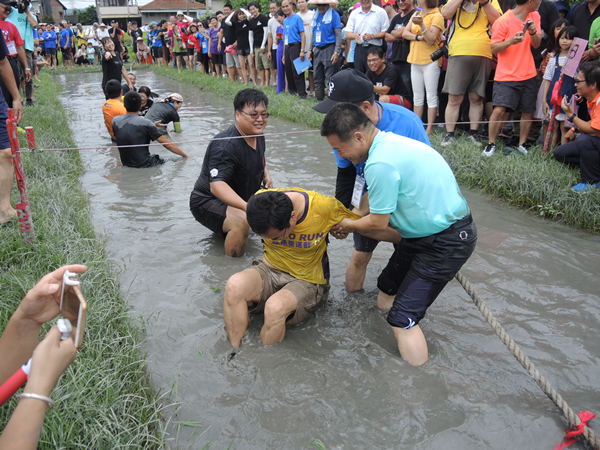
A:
(12, 3)
(346, 86)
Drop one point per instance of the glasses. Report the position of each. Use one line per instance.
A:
(374, 60)
(576, 81)
(254, 116)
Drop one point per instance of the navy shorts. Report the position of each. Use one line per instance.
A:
(51, 51)
(4, 141)
(364, 244)
(210, 212)
(421, 267)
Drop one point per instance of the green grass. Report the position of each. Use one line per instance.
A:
(104, 400)
(535, 182)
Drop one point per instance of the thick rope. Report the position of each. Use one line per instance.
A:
(556, 398)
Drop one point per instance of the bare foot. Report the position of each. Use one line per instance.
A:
(8, 215)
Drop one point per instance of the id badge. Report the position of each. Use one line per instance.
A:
(318, 37)
(204, 45)
(359, 185)
(12, 48)
(286, 39)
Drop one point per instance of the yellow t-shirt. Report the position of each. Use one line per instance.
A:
(473, 39)
(420, 51)
(303, 254)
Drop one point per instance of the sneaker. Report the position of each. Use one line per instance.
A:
(522, 150)
(474, 140)
(584, 187)
(448, 140)
(490, 149)
(507, 133)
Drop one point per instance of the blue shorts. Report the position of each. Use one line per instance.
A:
(51, 51)
(421, 267)
(4, 141)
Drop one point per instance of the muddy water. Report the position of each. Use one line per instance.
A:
(338, 377)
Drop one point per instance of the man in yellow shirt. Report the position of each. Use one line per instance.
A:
(112, 107)
(290, 280)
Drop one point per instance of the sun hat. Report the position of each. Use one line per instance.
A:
(346, 86)
(323, 2)
(180, 13)
(102, 25)
(139, 39)
(174, 97)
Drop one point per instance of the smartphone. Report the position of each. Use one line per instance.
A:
(73, 306)
(525, 27)
(418, 13)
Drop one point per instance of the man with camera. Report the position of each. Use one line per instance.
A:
(470, 60)
(25, 22)
(92, 37)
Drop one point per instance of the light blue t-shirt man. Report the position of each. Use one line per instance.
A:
(21, 21)
(414, 184)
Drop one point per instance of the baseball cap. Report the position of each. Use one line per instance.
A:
(387, 2)
(346, 86)
(180, 13)
(9, 2)
(561, 6)
(95, 24)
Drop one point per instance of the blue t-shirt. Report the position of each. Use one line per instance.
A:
(398, 120)
(153, 39)
(64, 34)
(327, 29)
(203, 41)
(25, 30)
(414, 184)
(49, 39)
(292, 27)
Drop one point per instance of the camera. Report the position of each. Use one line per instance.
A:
(22, 6)
(442, 51)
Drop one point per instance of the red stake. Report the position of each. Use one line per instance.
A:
(23, 210)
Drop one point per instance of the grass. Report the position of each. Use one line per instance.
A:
(104, 400)
(536, 182)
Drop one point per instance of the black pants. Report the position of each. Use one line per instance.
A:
(583, 153)
(296, 83)
(360, 57)
(15, 69)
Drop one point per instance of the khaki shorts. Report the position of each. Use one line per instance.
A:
(466, 73)
(308, 295)
(261, 60)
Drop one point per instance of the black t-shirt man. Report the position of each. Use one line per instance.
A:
(400, 49)
(583, 19)
(389, 77)
(164, 112)
(134, 35)
(234, 162)
(228, 34)
(117, 38)
(131, 130)
(256, 25)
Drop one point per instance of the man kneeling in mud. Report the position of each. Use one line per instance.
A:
(289, 281)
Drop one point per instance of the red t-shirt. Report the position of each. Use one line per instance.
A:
(11, 36)
(516, 62)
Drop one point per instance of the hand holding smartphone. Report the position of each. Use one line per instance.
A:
(73, 306)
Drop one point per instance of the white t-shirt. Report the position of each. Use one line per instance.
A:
(102, 34)
(307, 18)
(90, 33)
(272, 28)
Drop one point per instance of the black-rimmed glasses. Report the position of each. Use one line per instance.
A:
(254, 116)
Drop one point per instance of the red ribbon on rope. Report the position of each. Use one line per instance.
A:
(585, 417)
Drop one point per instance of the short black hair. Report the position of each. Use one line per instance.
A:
(113, 89)
(253, 4)
(276, 3)
(105, 39)
(228, 5)
(250, 97)
(269, 209)
(343, 120)
(145, 90)
(375, 51)
(218, 12)
(591, 73)
(134, 22)
(280, 13)
(132, 101)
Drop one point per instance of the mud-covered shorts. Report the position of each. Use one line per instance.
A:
(421, 267)
(308, 295)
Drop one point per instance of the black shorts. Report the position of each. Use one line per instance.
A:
(421, 267)
(66, 54)
(190, 51)
(210, 212)
(364, 244)
(516, 95)
(217, 58)
(183, 53)
(157, 52)
(4, 141)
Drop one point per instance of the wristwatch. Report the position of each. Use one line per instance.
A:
(572, 118)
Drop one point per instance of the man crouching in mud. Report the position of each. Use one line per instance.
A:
(289, 281)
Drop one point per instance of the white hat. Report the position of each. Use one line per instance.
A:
(139, 39)
(180, 13)
(102, 24)
(322, 2)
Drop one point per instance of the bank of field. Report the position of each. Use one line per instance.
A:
(104, 400)
(535, 182)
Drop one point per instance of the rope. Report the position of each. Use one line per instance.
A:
(556, 398)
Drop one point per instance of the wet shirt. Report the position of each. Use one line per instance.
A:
(389, 77)
(164, 112)
(112, 69)
(256, 25)
(400, 49)
(132, 130)
(303, 252)
(234, 162)
(414, 184)
(111, 109)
